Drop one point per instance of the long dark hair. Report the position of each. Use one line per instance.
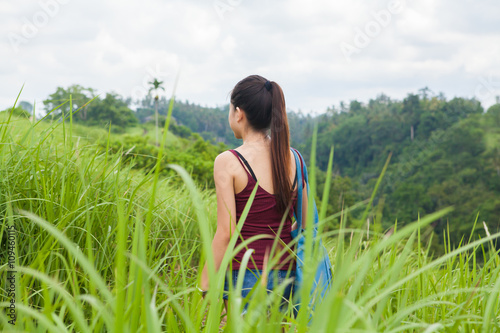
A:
(264, 105)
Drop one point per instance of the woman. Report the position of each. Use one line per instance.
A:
(257, 107)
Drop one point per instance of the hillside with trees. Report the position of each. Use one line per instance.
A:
(443, 152)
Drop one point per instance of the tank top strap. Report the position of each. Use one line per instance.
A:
(244, 163)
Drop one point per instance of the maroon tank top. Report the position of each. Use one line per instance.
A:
(263, 218)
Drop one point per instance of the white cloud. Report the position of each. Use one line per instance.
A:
(119, 46)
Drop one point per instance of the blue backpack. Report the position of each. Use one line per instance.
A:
(323, 277)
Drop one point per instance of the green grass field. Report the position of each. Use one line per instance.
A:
(101, 247)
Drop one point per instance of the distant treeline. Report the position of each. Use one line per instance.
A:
(444, 153)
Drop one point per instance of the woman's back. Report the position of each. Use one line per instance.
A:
(263, 217)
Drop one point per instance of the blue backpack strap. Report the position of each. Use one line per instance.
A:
(298, 210)
(304, 173)
(304, 164)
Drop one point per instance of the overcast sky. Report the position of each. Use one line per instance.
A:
(321, 52)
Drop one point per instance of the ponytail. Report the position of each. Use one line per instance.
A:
(280, 149)
(264, 105)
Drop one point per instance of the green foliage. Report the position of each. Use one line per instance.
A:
(155, 86)
(17, 111)
(195, 155)
(100, 249)
(342, 195)
(212, 124)
(181, 130)
(87, 260)
(112, 109)
(59, 101)
(27, 106)
(89, 109)
(445, 153)
(493, 116)
(91, 200)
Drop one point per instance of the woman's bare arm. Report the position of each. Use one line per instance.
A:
(226, 212)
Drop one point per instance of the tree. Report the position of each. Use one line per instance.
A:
(156, 85)
(493, 115)
(411, 106)
(60, 100)
(112, 109)
(425, 92)
(17, 111)
(26, 106)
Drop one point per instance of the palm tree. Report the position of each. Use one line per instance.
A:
(156, 85)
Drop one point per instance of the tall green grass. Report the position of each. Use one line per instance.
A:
(103, 248)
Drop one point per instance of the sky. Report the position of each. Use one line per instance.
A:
(321, 52)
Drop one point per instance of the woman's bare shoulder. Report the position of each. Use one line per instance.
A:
(223, 170)
(224, 157)
(225, 162)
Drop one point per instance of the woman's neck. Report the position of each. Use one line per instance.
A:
(256, 138)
